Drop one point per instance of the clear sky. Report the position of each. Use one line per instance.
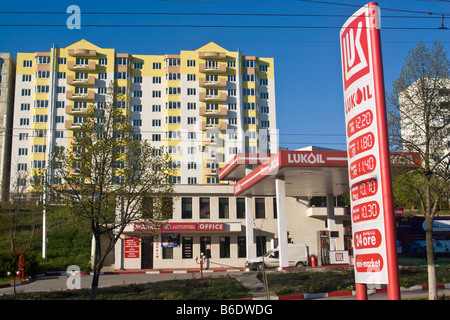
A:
(302, 37)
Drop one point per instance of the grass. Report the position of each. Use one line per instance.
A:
(343, 280)
(68, 241)
(212, 288)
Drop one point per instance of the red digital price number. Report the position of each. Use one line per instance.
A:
(359, 122)
(365, 211)
(364, 189)
(367, 239)
(360, 144)
(362, 166)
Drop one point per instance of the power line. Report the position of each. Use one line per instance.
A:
(207, 14)
(206, 26)
(382, 8)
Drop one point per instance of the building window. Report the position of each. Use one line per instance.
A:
(167, 253)
(191, 63)
(225, 247)
(186, 208)
(261, 248)
(224, 208)
(242, 249)
(156, 65)
(187, 247)
(240, 208)
(205, 246)
(147, 207)
(260, 208)
(204, 208)
(275, 213)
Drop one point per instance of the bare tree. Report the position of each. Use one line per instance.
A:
(419, 121)
(107, 172)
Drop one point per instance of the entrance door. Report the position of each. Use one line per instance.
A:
(147, 253)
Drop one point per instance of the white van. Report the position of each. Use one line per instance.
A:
(297, 257)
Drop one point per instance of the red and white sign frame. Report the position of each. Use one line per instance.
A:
(368, 150)
(288, 158)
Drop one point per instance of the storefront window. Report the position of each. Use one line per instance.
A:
(167, 253)
(260, 245)
(242, 249)
(204, 208)
(224, 247)
(205, 246)
(187, 247)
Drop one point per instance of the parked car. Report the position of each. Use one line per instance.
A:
(297, 257)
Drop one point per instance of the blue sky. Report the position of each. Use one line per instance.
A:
(305, 45)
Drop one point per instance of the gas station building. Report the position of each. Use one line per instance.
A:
(263, 202)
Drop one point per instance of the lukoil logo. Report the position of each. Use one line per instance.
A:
(356, 98)
(306, 158)
(354, 47)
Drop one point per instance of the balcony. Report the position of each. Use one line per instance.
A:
(91, 66)
(222, 111)
(69, 125)
(76, 111)
(212, 171)
(213, 156)
(81, 53)
(222, 126)
(221, 97)
(71, 95)
(220, 68)
(90, 81)
(213, 142)
(221, 83)
(212, 55)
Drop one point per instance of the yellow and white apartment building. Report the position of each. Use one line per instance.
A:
(204, 106)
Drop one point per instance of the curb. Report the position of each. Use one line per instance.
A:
(18, 283)
(307, 296)
(168, 271)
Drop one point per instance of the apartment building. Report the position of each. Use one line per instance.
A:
(203, 106)
(7, 81)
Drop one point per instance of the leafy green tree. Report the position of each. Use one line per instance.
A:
(419, 120)
(107, 174)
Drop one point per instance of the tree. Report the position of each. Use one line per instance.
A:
(419, 120)
(107, 170)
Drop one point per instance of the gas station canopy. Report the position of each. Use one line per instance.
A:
(306, 173)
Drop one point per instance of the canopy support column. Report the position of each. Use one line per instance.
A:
(280, 187)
